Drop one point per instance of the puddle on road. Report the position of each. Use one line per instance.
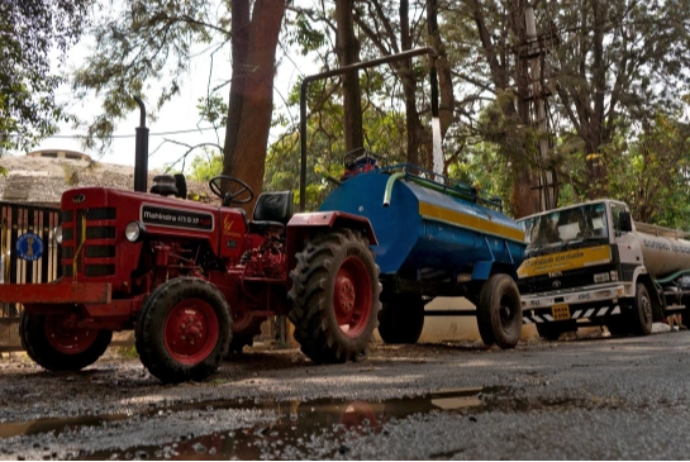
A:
(57, 425)
(295, 426)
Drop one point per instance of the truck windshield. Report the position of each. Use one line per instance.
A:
(566, 228)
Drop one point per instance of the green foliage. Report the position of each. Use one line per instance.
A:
(652, 174)
(140, 41)
(30, 31)
(301, 32)
(205, 167)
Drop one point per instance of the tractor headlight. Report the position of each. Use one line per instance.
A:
(57, 234)
(134, 231)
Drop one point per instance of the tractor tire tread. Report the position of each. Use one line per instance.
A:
(316, 336)
(151, 324)
(33, 339)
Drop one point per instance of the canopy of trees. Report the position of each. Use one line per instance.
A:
(31, 32)
(613, 76)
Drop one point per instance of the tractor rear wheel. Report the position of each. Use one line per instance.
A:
(55, 343)
(401, 319)
(335, 293)
(499, 312)
(183, 330)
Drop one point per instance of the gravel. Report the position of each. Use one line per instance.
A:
(595, 399)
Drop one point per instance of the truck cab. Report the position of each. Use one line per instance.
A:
(588, 263)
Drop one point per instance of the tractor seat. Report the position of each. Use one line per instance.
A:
(272, 212)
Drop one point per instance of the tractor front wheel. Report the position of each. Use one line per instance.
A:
(401, 319)
(499, 312)
(184, 330)
(335, 293)
(57, 344)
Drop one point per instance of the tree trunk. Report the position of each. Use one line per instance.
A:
(247, 160)
(240, 74)
(518, 152)
(415, 131)
(347, 48)
(596, 169)
(445, 81)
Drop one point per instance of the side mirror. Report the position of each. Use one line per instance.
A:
(625, 222)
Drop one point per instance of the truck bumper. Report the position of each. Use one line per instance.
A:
(57, 294)
(594, 302)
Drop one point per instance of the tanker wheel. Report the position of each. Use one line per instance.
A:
(54, 343)
(553, 330)
(499, 312)
(401, 319)
(335, 293)
(245, 326)
(183, 330)
(641, 315)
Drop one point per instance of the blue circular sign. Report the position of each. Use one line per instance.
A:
(29, 246)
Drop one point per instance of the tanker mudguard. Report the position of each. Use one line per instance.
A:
(330, 219)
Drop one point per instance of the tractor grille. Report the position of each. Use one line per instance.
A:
(94, 246)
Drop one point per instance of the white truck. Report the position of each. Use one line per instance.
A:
(591, 264)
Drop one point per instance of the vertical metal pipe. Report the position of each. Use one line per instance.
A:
(351, 68)
(303, 145)
(141, 153)
(433, 77)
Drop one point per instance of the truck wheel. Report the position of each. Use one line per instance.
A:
(401, 319)
(553, 330)
(335, 293)
(499, 312)
(183, 330)
(56, 345)
(641, 315)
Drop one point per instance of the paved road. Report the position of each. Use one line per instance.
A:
(625, 398)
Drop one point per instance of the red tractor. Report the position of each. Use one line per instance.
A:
(194, 280)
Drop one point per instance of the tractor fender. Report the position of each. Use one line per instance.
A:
(304, 225)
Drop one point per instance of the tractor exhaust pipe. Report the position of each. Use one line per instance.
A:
(141, 153)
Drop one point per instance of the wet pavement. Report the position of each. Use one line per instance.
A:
(625, 398)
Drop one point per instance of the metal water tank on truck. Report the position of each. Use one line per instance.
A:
(591, 263)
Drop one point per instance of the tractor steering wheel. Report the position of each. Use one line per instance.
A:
(217, 181)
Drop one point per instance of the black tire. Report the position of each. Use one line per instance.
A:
(401, 319)
(246, 336)
(499, 312)
(34, 338)
(641, 315)
(162, 311)
(553, 330)
(315, 312)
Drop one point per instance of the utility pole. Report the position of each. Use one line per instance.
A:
(534, 52)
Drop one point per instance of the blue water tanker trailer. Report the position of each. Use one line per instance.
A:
(436, 239)
(431, 237)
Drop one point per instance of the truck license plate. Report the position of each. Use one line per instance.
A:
(560, 312)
